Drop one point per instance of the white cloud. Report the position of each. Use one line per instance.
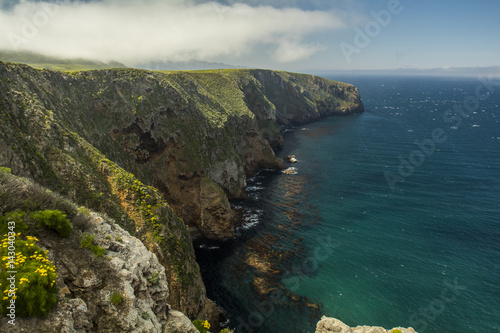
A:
(132, 31)
(292, 50)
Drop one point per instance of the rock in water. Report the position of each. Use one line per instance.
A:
(332, 325)
(291, 159)
(290, 171)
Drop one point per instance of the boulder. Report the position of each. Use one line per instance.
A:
(332, 325)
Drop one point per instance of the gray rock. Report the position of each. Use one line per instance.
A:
(332, 325)
(177, 322)
(143, 307)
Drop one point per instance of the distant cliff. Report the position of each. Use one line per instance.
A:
(157, 151)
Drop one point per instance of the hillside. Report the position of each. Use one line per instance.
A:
(56, 64)
(161, 154)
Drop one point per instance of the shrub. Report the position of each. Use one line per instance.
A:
(201, 326)
(55, 220)
(36, 286)
(83, 210)
(153, 278)
(4, 169)
(82, 221)
(145, 315)
(115, 298)
(396, 331)
(88, 242)
(16, 217)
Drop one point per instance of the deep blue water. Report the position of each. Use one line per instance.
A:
(362, 234)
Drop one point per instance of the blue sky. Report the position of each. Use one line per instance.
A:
(292, 35)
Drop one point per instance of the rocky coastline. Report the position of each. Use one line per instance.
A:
(157, 156)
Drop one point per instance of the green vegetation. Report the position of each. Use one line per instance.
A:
(153, 279)
(88, 242)
(17, 217)
(55, 220)
(36, 292)
(202, 326)
(83, 210)
(116, 298)
(3, 169)
(396, 331)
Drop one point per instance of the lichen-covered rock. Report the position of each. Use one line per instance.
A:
(177, 322)
(121, 289)
(141, 281)
(332, 325)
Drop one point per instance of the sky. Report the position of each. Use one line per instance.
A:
(295, 35)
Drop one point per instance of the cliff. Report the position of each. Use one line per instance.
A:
(161, 154)
(332, 325)
(196, 137)
(88, 275)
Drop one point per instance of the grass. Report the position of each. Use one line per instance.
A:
(88, 242)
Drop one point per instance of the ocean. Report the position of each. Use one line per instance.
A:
(392, 218)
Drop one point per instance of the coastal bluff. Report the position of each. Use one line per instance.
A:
(194, 136)
(150, 160)
(332, 325)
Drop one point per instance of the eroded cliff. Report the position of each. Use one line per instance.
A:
(179, 132)
(124, 142)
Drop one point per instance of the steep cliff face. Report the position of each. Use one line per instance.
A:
(173, 131)
(124, 142)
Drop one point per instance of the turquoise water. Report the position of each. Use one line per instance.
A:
(361, 234)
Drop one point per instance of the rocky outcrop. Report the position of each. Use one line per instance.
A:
(332, 325)
(177, 322)
(87, 281)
